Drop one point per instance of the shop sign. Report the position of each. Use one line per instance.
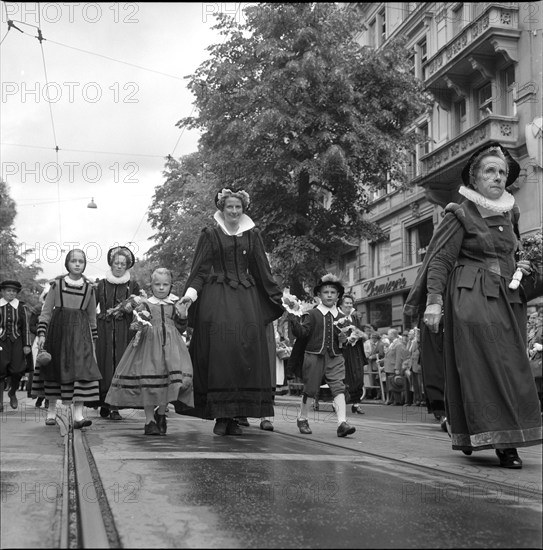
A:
(379, 287)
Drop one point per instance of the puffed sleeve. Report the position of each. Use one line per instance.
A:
(47, 310)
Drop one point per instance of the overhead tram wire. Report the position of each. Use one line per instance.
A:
(41, 39)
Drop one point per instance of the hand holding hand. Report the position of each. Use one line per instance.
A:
(27, 350)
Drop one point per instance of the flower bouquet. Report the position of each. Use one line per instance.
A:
(532, 248)
(141, 320)
(292, 304)
(126, 306)
(352, 333)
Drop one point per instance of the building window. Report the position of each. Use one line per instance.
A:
(380, 258)
(424, 145)
(347, 265)
(508, 85)
(485, 100)
(460, 117)
(371, 34)
(422, 57)
(418, 239)
(457, 19)
(382, 27)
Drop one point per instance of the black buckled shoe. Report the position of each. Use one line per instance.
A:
(345, 429)
(161, 423)
(303, 426)
(104, 412)
(509, 458)
(151, 428)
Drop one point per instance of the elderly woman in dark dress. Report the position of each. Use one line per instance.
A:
(113, 330)
(233, 297)
(490, 395)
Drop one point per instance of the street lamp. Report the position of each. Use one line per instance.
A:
(92, 204)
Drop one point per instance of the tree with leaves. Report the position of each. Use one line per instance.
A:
(292, 109)
(13, 263)
(181, 207)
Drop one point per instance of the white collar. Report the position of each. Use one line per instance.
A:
(110, 278)
(324, 310)
(170, 299)
(501, 205)
(245, 223)
(71, 282)
(14, 303)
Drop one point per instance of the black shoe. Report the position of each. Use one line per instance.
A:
(266, 425)
(467, 453)
(51, 422)
(443, 425)
(221, 425)
(509, 458)
(104, 412)
(39, 402)
(357, 410)
(345, 429)
(13, 402)
(242, 421)
(78, 424)
(233, 427)
(151, 428)
(303, 426)
(161, 423)
(114, 415)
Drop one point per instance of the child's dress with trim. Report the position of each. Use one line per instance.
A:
(158, 368)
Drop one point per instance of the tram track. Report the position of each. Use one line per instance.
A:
(87, 520)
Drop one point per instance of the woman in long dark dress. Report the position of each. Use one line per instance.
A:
(113, 330)
(490, 396)
(354, 355)
(233, 297)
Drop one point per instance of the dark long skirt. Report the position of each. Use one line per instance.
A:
(490, 395)
(230, 355)
(355, 359)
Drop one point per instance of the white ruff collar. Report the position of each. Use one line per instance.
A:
(245, 223)
(501, 205)
(79, 283)
(110, 278)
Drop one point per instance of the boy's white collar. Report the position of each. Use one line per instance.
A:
(170, 299)
(324, 310)
(14, 303)
(245, 223)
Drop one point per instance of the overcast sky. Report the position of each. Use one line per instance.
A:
(113, 120)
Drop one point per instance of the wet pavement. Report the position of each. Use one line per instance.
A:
(395, 483)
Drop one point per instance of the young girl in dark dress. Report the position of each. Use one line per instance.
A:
(67, 330)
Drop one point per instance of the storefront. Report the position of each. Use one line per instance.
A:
(381, 300)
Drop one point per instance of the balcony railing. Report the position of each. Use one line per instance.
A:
(501, 17)
(503, 129)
